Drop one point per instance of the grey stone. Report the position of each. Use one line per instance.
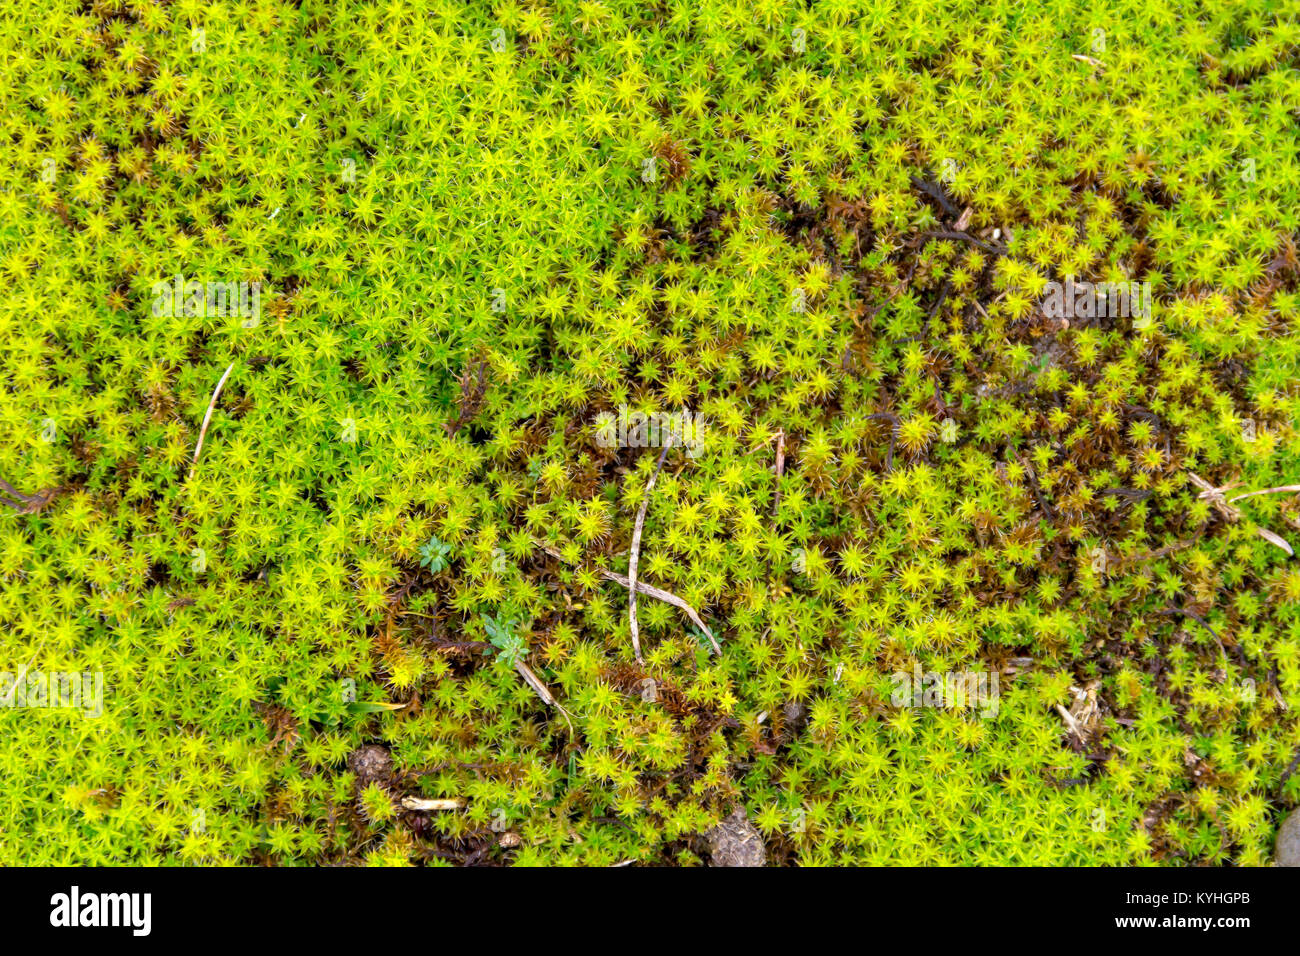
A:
(371, 763)
(735, 842)
(1287, 852)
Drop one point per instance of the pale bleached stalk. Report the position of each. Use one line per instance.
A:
(1266, 491)
(541, 690)
(207, 418)
(1216, 497)
(634, 555)
(649, 591)
(433, 803)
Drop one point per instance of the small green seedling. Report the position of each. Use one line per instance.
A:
(502, 632)
(435, 555)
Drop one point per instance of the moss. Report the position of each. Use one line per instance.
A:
(476, 235)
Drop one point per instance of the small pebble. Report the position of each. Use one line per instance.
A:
(1288, 841)
(370, 763)
(735, 842)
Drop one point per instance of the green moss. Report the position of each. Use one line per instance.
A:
(478, 232)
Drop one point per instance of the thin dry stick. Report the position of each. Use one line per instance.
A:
(780, 470)
(1266, 491)
(651, 591)
(668, 598)
(542, 691)
(893, 435)
(433, 803)
(207, 417)
(1275, 539)
(1072, 723)
(14, 493)
(955, 234)
(1192, 615)
(1162, 552)
(25, 504)
(635, 553)
(1216, 497)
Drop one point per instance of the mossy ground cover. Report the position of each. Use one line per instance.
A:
(479, 232)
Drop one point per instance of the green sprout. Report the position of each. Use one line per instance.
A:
(434, 555)
(502, 632)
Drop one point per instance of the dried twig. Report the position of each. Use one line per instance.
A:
(1266, 491)
(938, 304)
(929, 315)
(207, 418)
(1199, 620)
(997, 250)
(1275, 539)
(1215, 496)
(893, 435)
(936, 192)
(1159, 552)
(650, 591)
(433, 803)
(25, 504)
(634, 554)
(1072, 723)
(542, 691)
(780, 470)
(473, 389)
(1222, 504)
(1084, 714)
(668, 598)
(1037, 491)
